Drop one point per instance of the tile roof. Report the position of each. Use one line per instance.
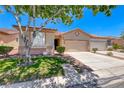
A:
(31, 28)
(8, 31)
(100, 37)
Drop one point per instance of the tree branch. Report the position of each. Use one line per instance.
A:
(34, 9)
(29, 21)
(16, 17)
(46, 22)
(28, 24)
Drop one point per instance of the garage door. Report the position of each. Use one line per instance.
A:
(99, 45)
(76, 46)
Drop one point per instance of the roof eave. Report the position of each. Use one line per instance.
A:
(44, 29)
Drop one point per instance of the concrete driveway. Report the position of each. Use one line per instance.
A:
(103, 66)
(110, 70)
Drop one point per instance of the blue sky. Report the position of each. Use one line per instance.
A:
(98, 25)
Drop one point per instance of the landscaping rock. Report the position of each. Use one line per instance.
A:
(74, 79)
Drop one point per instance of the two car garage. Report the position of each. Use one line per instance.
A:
(79, 46)
(78, 41)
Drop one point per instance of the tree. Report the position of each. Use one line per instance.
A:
(50, 13)
(122, 35)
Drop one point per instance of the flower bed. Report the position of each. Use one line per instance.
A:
(43, 67)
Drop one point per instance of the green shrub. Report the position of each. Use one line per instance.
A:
(94, 50)
(60, 49)
(110, 49)
(109, 53)
(4, 50)
(116, 46)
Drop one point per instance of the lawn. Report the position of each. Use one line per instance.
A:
(43, 67)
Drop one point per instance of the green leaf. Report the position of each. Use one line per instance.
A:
(68, 13)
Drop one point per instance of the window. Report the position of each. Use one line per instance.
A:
(39, 40)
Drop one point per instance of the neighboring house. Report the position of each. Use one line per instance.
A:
(9, 38)
(74, 41)
(118, 41)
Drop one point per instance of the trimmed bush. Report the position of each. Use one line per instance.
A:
(94, 50)
(116, 46)
(110, 49)
(4, 50)
(109, 53)
(60, 49)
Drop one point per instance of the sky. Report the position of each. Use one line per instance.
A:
(100, 24)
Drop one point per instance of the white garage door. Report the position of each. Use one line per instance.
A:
(99, 45)
(76, 46)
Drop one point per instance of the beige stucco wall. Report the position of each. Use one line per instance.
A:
(13, 43)
(9, 40)
(72, 36)
(50, 39)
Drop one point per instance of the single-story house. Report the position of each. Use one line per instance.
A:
(74, 41)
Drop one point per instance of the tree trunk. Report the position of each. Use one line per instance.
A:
(26, 56)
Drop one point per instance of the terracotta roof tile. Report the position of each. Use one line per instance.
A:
(100, 37)
(8, 31)
(31, 28)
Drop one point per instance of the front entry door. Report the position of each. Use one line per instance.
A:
(56, 43)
